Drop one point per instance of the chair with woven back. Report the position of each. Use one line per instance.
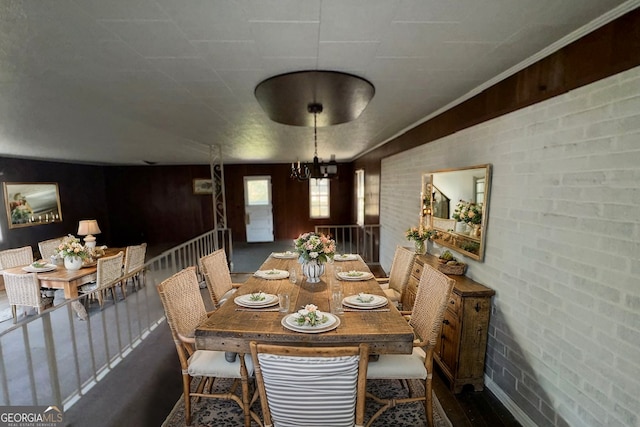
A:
(10, 258)
(24, 290)
(185, 310)
(49, 247)
(426, 318)
(134, 266)
(217, 276)
(319, 386)
(108, 275)
(394, 285)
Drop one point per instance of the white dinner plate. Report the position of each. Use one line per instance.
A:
(246, 301)
(284, 255)
(32, 269)
(346, 257)
(353, 302)
(273, 274)
(290, 323)
(355, 275)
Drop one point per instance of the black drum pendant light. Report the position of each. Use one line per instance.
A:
(298, 98)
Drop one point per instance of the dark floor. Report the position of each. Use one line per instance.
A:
(143, 388)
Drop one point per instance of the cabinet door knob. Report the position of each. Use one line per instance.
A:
(445, 321)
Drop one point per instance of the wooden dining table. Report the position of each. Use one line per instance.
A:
(231, 327)
(61, 278)
(68, 280)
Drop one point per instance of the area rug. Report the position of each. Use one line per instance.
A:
(223, 413)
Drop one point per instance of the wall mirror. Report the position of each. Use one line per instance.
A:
(31, 204)
(455, 203)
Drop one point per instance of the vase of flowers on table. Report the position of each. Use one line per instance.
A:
(419, 235)
(314, 250)
(73, 253)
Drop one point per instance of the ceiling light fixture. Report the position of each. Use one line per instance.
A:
(318, 170)
(341, 96)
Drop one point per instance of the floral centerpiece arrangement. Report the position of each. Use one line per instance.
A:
(315, 247)
(310, 316)
(419, 235)
(73, 253)
(71, 247)
(314, 250)
(469, 212)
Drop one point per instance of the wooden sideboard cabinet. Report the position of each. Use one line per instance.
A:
(460, 350)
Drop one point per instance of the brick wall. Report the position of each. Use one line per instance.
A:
(563, 249)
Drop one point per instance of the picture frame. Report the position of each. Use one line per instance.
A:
(32, 203)
(202, 186)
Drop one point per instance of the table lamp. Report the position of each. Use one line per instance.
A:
(88, 228)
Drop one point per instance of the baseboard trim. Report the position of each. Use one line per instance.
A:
(511, 406)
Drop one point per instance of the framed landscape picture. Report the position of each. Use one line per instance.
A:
(202, 186)
(32, 203)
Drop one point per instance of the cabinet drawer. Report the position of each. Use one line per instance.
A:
(455, 304)
(416, 272)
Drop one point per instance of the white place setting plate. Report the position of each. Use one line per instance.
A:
(289, 322)
(33, 269)
(364, 301)
(355, 275)
(285, 255)
(274, 274)
(346, 257)
(248, 301)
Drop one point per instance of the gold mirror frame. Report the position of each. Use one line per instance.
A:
(442, 191)
(32, 203)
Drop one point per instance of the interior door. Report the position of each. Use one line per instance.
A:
(258, 209)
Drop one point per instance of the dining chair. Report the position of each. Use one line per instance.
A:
(217, 276)
(319, 386)
(49, 247)
(10, 258)
(134, 266)
(394, 285)
(185, 310)
(426, 320)
(24, 290)
(108, 276)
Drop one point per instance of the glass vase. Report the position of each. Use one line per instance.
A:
(419, 247)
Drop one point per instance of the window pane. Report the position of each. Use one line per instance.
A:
(258, 192)
(360, 196)
(319, 198)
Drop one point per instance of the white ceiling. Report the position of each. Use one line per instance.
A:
(122, 81)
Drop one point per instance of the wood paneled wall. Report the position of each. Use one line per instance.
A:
(610, 49)
(82, 196)
(290, 199)
(156, 204)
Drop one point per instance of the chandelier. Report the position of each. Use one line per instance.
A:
(301, 172)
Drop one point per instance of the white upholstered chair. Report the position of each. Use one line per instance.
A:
(108, 273)
(134, 266)
(319, 386)
(24, 290)
(49, 247)
(426, 319)
(394, 285)
(10, 258)
(185, 310)
(217, 276)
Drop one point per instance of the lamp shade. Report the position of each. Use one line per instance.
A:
(87, 227)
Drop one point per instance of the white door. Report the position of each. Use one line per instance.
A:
(258, 209)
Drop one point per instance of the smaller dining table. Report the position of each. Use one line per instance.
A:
(68, 280)
(61, 278)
